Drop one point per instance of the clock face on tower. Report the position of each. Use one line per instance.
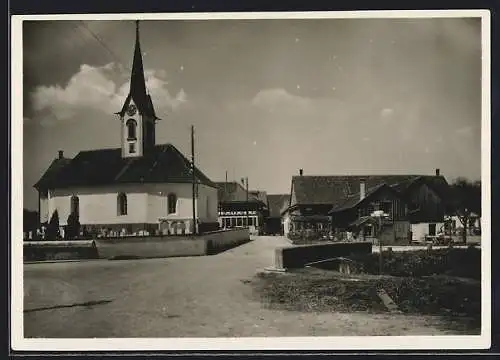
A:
(132, 110)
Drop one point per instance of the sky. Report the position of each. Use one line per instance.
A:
(266, 97)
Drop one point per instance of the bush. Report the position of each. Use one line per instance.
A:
(53, 232)
(73, 227)
(307, 236)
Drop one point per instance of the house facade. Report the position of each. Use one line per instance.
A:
(354, 215)
(140, 188)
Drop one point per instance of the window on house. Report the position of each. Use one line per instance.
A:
(131, 148)
(172, 203)
(239, 222)
(432, 229)
(75, 205)
(122, 204)
(131, 129)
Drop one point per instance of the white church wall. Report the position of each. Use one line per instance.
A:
(158, 203)
(100, 205)
(145, 203)
(44, 210)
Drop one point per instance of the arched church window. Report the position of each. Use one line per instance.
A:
(122, 204)
(131, 129)
(172, 203)
(75, 205)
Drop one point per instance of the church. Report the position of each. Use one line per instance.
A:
(141, 188)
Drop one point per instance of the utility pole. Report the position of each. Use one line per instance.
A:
(225, 188)
(380, 260)
(394, 212)
(193, 179)
(247, 204)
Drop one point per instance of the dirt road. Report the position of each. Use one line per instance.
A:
(182, 297)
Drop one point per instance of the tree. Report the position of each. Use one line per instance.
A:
(73, 227)
(467, 200)
(53, 232)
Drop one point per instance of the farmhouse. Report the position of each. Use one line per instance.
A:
(140, 188)
(416, 204)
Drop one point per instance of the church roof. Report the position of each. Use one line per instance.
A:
(164, 164)
(52, 172)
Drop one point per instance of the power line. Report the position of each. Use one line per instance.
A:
(103, 44)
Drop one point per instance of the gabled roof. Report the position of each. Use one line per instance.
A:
(230, 191)
(233, 191)
(277, 203)
(164, 164)
(334, 190)
(355, 199)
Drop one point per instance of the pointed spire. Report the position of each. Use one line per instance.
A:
(138, 91)
(137, 80)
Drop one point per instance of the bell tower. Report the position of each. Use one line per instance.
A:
(137, 117)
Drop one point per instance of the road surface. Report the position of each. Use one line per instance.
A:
(182, 297)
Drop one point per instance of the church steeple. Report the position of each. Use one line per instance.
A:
(137, 114)
(137, 80)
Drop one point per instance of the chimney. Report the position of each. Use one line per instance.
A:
(61, 154)
(301, 172)
(437, 172)
(362, 189)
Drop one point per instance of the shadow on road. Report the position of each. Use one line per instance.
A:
(88, 303)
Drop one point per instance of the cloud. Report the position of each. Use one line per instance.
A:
(386, 113)
(272, 98)
(100, 89)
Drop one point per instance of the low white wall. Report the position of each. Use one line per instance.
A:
(220, 239)
(151, 247)
(156, 247)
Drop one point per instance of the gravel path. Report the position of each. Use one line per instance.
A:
(182, 297)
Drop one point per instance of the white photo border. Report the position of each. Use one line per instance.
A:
(19, 343)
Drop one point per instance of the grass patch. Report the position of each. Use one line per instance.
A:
(326, 291)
